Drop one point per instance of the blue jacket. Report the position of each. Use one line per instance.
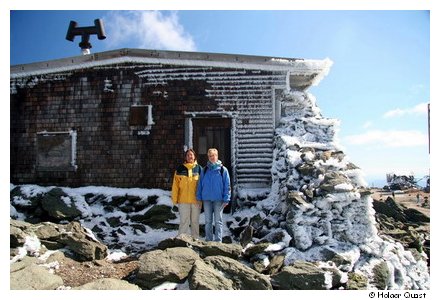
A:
(213, 185)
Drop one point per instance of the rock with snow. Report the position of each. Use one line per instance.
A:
(242, 277)
(55, 236)
(86, 246)
(324, 206)
(59, 205)
(206, 277)
(156, 216)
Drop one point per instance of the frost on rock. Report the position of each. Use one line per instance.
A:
(319, 198)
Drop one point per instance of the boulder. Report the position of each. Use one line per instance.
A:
(59, 205)
(357, 281)
(34, 277)
(300, 276)
(156, 217)
(242, 277)
(381, 276)
(82, 243)
(158, 266)
(107, 284)
(57, 236)
(205, 277)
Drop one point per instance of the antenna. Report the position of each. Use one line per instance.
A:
(85, 33)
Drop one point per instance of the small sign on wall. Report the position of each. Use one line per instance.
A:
(56, 151)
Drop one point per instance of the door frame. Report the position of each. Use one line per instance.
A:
(189, 143)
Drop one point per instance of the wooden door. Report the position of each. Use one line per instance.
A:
(212, 133)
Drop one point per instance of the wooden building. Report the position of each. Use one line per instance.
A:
(123, 118)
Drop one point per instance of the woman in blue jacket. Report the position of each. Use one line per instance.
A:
(214, 189)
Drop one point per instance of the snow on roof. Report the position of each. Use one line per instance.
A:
(314, 69)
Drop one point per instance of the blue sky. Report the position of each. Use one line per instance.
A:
(378, 86)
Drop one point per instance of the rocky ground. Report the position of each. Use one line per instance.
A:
(407, 198)
(76, 273)
(401, 218)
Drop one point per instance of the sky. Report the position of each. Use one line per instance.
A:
(378, 86)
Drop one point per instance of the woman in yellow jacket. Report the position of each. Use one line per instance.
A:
(183, 193)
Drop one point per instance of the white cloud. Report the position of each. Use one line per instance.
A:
(148, 30)
(419, 109)
(389, 138)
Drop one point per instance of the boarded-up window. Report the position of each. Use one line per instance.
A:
(56, 151)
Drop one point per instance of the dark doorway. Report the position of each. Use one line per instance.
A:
(213, 133)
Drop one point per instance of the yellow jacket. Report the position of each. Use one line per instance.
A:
(185, 182)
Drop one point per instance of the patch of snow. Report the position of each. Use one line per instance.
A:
(31, 246)
(46, 255)
(116, 255)
(166, 286)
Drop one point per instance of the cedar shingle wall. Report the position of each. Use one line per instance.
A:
(108, 151)
(96, 103)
